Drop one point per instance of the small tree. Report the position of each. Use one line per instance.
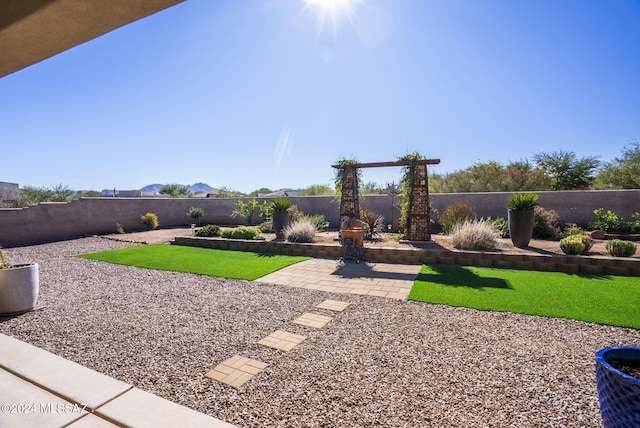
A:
(196, 213)
(622, 172)
(175, 191)
(245, 209)
(567, 172)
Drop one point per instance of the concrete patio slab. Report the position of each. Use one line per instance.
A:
(137, 408)
(41, 389)
(76, 383)
(25, 405)
(388, 280)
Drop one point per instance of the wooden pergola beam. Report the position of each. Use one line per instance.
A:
(379, 164)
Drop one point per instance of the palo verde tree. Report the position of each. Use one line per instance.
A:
(622, 172)
(566, 171)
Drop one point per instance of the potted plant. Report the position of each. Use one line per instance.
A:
(279, 207)
(521, 218)
(618, 382)
(19, 286)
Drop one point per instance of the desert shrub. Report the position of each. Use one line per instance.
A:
(318, 220)
(150, 220)
(374, 222)
(607, 221)
(458, 211)
(634, 224)
(545, 223)
(620, 248)
(300, 231)
(266, 211)
(474, 235)
(501, 225)
(196, 213)
(209, 230)
(242, 232)
(245, 210)
(572, 229)
(266, 226)
(294, 213)
(575, 244)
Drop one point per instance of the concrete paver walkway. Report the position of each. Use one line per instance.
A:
(41, 389)
(374, 279)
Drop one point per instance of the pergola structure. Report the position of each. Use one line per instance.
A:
(418, 224)
(34, 30)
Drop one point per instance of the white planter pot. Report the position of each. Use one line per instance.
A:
(19, 286)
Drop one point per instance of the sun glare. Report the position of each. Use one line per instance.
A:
(331, 12)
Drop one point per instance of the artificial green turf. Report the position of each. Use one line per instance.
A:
(203, 261)
(602, 299)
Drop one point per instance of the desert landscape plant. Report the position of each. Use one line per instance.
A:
(545, 223)
(374, 222)
(196, 213)
(607, 221)
(245, 209)
(209, 230)
(150, 220)
(474, 235)
(300, 231)
(576, 244)
(458, 211)
(620, 248)
(242, 232)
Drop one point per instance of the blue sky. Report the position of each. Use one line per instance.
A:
(248, 94)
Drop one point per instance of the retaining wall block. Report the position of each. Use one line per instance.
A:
(593, 269)
(617, 270)
(546, 266)
(503, 264)
(492, 256)
(523, 265)
(484, 263)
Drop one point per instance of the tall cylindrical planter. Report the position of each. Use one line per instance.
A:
(618, 393)
(520, 227)
(280, 221)
(19, 287)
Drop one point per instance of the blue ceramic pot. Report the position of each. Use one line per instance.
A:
(618, 393)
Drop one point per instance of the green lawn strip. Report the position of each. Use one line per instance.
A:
(602, 299)
(203, 261)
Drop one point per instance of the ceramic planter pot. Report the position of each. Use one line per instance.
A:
(618, 392)
(19, 287)
(280, 221)
(521, 227)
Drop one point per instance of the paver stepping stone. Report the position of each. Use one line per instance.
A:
(333, 305)
(282, 340)
(312, 320)
(236, 371)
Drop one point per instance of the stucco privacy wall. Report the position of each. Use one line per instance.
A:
(89, 216)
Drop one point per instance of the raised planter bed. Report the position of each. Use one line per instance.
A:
(416, 255)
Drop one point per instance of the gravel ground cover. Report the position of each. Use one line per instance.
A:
(381, 362)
